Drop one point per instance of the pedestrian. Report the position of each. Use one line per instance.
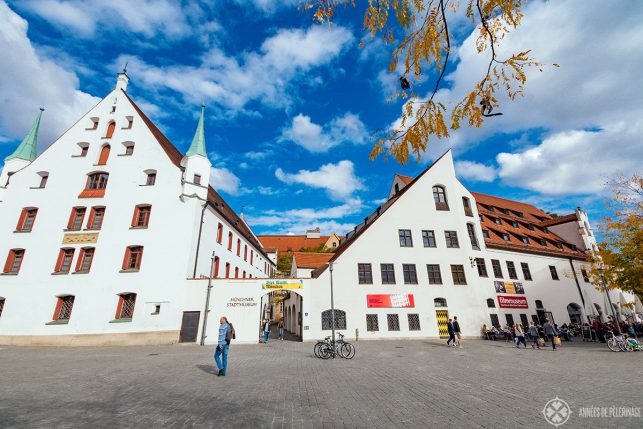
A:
(535, 336)
(226, 334)
(520, 335)
(266, 330)
(281, 329)
(458, 333)
(550, 333)
(451, 330)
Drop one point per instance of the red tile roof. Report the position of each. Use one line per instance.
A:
(292, 243)
(214, 199)
(560, 220)
(405, 179)
(311, 260)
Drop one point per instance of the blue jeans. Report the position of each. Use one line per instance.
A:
(222, 350)
(265, 336)
(281, 333)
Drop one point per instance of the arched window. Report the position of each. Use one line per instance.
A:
(440, 302)
(110, 130)
(440, 197)
(491, 303)
(125, 308)
(96, 185)
(574, 312)
(467, 206)
(539, 304)
(219, 233)
(216, 266)
(104, 155)
(327, 320)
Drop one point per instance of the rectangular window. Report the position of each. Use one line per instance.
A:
(393, 322)
(219, 233)
(510, 319)
(554, 273)
(227, 270)
(245, 252)
(76, 218)
(230, 241)
(236, 272)
(511, 269)
(435, 277)
(125, 309)
(583, 272)
(97, 181)
(482, 267)
(216, 267)
(485, 233)
(472, 236)
(452, 238)
(238, 247)
(1, 306)
(494, 321)
(141, 218)
(133, 257)
(526, 272)
(524, 320)
(457, 271)
(372, 323)
(85, 259)
(43, 180)
(497, 269)
(83, 151)
(151, 179)
(414, 322)
(252, 254)
(467, 207)
(405, 238)
(197, 179)
(63, 264)
(388, 274)
(96, 216)
(428, 238)
(26, 220)
(364, 274)
(410, 275)
(129, 150)
(14, 261)
(63, 307)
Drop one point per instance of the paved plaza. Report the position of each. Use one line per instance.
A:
(389, 384)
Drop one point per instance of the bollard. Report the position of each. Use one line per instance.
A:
(356, 334)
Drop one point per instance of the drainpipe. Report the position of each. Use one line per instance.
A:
(198, 240)
(580, 292)
(207, 301)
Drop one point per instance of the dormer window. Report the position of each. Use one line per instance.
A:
(559, 245)
(485, 233)
(506, 237)
(524, 240)
(530, 227)
(515, 224)
(543, 242)
(505, 211)
(490, 208)
(519, 214)
(497, 220)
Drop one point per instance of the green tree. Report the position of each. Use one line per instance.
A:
(422, 35)
(620, 255)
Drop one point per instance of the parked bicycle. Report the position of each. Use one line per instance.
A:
(325, 349)
(619, 343)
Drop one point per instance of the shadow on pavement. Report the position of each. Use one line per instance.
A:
(210, 369)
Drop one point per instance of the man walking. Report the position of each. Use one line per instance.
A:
(266, 330)
(226, 334)
(458, 333)
(550, 333)
(451, 330)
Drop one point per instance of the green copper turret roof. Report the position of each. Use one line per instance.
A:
(27, 149)
(198, 142)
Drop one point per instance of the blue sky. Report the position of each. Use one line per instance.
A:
(291, 105)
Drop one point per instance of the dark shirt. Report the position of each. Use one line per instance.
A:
(450, 328)
(456, 326)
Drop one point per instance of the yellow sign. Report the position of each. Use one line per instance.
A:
(84, 238)
(509, 287)
(282, 284)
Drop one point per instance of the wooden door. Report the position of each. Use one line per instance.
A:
(189, 326)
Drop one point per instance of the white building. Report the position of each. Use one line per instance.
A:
(103, 230)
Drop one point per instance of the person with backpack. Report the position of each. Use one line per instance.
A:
(226, 335)
(458, 332)
(451, 331)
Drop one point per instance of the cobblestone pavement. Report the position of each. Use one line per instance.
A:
(388, 384)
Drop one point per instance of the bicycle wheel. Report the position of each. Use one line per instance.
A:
(613, 345)
(317, 347)
(627, 346)
(347, 351)
(326, 351)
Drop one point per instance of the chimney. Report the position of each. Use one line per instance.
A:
(313, 233)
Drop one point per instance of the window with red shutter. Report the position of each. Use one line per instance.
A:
(110, 130)
(85, 259)
(141, 217)
(76, 218)
(64, 306)
(133, 257)
(125, 309)
(27, 219)
(65, 257)
(14, 261)
(219, 233)
(104, 155)
(96, 216)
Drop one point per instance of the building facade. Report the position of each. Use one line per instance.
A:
(103, 230)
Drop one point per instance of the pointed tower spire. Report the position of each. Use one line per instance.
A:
(27, 149)
(198, 142)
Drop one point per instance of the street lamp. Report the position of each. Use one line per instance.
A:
(601, 272)
(207, 300)
(332, 304)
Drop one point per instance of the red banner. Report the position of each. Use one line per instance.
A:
(512, 301)
(390, 301)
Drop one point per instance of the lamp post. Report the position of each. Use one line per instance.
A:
(332, 305)
(207, 301)
(601, 272)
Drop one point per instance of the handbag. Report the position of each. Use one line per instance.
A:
(541, 342)
(557, 340)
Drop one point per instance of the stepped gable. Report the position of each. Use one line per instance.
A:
(214, 198)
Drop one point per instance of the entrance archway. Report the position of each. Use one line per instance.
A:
(283, 306)
(574, 311)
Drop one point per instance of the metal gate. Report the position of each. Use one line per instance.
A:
(442, 317)
(189, 326)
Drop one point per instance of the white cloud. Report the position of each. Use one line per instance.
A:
(475, 172)
(317, 139)
(30, 80)
(268, 7)
(338, 180)
(84, 17)
(576, 161)
(226, 181)
(263, 76)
